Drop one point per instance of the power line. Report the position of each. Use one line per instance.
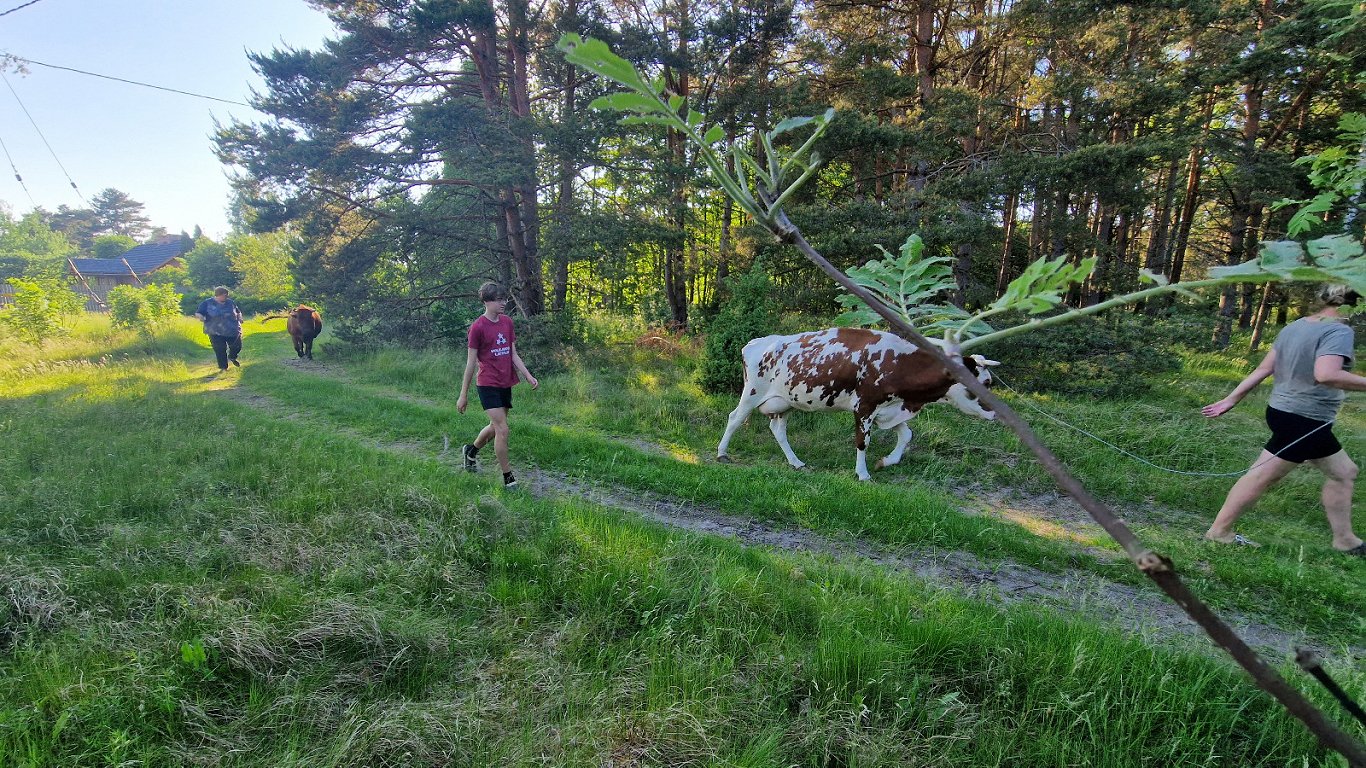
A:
(44, 138)
(18, 7)
(17, 177)
(124, 80)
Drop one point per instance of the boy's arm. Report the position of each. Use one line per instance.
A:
(521, 368)
(471, 362)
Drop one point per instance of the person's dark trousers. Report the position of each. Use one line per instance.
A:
(225, 348)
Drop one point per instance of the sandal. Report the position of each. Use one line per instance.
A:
(1239, 540)
(1357, 551)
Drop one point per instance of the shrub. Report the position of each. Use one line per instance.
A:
(748, 314)
(142, 308)
(250, 305)
(1102, 356)
(38, 308)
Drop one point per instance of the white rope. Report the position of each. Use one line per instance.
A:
(996, 378)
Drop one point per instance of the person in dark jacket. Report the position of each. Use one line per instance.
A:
(223, 323)
(1310, 362)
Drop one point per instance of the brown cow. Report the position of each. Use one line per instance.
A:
(881, 378)
(304, 325)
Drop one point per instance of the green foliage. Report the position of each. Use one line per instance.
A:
(209, 266)
(748, 314)
(116, 213)
(1112, 357)
(112, 246)
(1338, 174)
(906, 284)
(38, 309)
(143, 308)
(263, 264)
(777, 175)
(29, 247)
(1333, 259)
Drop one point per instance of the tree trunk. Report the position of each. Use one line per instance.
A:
(564, 201)
(1192, 198)
(675, 250)
(1259, 324)
(1003, 273)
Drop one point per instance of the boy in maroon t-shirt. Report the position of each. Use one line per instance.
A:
(493, 349)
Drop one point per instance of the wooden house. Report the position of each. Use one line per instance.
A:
(94, 277)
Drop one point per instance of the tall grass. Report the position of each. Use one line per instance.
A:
(189, 579)
(600, 422)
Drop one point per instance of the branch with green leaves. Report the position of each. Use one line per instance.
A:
(910, 283)
(782, 171)
(1338, 173)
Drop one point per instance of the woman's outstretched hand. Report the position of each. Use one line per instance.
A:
(1218, 409)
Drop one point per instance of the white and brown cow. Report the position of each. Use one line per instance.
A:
(881, 378)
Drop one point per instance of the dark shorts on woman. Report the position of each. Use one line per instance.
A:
(495, 397)
(1298, 439)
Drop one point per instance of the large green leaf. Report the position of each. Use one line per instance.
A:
(626, 101)
(594, 56)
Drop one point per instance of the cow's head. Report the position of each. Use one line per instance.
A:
(964, 400)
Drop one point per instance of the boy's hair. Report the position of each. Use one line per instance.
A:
(1337, 295)
(221, 290)
(492, 291)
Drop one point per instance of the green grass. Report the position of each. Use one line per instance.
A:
(189, 578)
(590, 420)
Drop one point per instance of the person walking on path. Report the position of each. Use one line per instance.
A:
(223, 323)
(1310, 362)
(493, 350)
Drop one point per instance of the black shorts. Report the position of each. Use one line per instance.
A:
(495, 397)
(1298, 439)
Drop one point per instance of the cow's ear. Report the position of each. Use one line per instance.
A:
(985, 363)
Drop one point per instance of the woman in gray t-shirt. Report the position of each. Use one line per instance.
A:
(1310, 362)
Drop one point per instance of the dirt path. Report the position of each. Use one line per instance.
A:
(1145, 611)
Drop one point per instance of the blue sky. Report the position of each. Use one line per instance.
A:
(151, 144)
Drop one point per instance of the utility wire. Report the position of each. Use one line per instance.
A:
(17, 177)
(18, 7)
(44, 138)
(130, 82)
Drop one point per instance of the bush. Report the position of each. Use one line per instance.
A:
(1103, 356)
(250, 305)
(142, 308)
(38, 308)
(748, 314)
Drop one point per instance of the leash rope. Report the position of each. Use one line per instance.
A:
(1136, 457)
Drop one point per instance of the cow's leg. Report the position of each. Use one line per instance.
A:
(308, 348)
(777, 424)
(737, 418)
(298, 346)
(863, 429)
(903, 438)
